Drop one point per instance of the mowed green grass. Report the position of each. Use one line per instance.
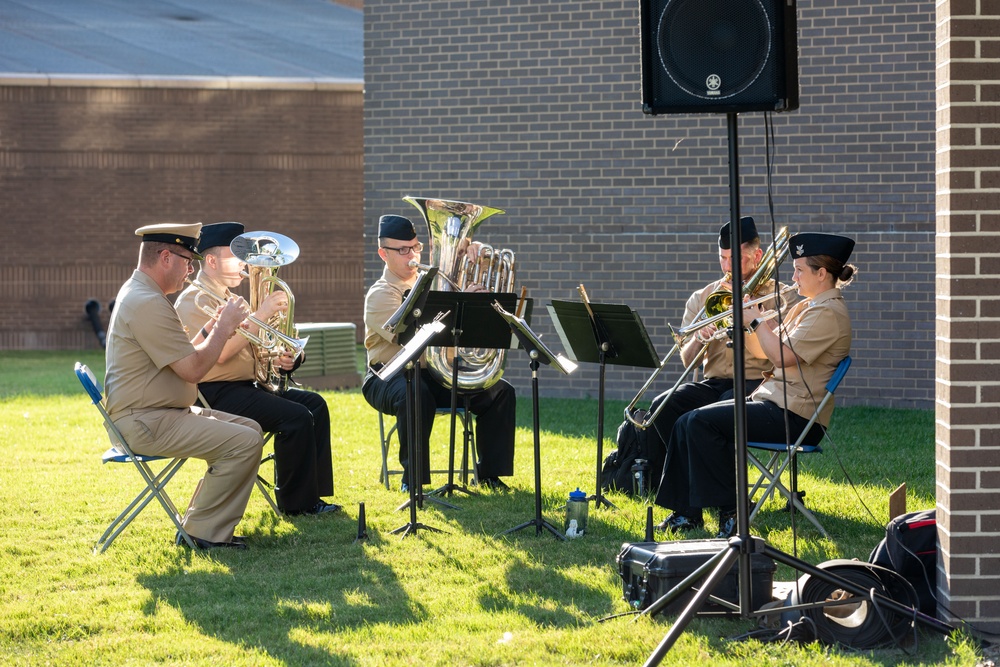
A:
(308, 593)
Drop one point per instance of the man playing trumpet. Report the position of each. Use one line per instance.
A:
(717, 365)
(152, 371)
(300, 420)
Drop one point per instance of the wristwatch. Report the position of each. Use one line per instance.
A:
(754, 323)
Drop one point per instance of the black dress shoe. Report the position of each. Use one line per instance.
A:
(680, 523)
(494, 484)
(237, 542)
(727, 524)
(319, 508)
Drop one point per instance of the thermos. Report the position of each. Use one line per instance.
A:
(576, 513)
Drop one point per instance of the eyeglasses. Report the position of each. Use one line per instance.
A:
(406, 249)
(187, 259)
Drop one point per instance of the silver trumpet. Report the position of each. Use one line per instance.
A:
(294, 344)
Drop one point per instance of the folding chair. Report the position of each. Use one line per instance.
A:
(468, 445)
(784, 457)
(120, 452)
(265, 487)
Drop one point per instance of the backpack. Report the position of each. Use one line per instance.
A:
(633, 444)
(910, 549)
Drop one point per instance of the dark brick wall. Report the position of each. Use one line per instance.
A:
(968, 354)
(535, 108)
(82, 166)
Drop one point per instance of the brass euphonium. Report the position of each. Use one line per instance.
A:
(450, 225)
(264, 253)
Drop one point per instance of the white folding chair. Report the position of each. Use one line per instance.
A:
(784, 457)
(468, 445)
(262, 484)
(120, 452)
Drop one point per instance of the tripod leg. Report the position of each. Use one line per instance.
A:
(725, 559)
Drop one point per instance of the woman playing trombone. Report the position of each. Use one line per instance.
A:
(814, 336)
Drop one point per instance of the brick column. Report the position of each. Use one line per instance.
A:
(968, 310)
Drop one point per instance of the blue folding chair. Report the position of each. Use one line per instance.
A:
(784, 457)
(120, 452)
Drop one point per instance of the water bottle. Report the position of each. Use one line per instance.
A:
(639, 469)
(576, 513)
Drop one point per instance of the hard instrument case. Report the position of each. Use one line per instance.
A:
(650, 569)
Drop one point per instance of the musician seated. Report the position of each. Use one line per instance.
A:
(494, 407)
(717, 357)
(152, 368)
(299, 419)
(814, 337)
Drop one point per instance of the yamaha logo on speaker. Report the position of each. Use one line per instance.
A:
(713, 83)
(718, 56)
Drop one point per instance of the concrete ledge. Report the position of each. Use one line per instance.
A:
(196, 82)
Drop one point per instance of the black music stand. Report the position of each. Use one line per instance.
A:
(470, 321)
(408, 359)
(603, 334)
(537, 353)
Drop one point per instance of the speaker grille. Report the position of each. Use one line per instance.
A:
(718, 55)
(716, 49)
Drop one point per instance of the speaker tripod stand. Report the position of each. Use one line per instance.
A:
(739, 548)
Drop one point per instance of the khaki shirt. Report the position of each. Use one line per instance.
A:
(718, 361)
(819, 331)
(382, 300)
(238, 367)
(145, 336)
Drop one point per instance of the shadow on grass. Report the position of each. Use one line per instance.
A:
(289, 596)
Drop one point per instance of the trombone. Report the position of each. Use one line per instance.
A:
(294, 344)
(711, 313)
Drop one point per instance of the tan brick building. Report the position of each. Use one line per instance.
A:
(188, 128)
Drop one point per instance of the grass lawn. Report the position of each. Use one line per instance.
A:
(308, 593)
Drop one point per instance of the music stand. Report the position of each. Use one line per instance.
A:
(537, 353)
(408, 359)
(469, 321)
(603, 334)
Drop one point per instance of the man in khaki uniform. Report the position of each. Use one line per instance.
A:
(717, 365)
(299, 419)
(152, 371)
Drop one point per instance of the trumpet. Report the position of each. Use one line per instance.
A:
(768, 265)
(273, 335)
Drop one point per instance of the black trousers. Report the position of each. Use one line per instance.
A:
(495, 419)
(700, 467)
(689, 396)
(300, 421)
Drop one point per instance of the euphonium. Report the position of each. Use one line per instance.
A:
(263, 253)
(450, 225)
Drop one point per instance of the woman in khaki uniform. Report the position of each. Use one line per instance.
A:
(815, 336)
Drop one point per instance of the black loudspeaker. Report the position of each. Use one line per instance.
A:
(718, 56)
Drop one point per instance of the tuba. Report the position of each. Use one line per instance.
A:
(450, 225)
(264, 253)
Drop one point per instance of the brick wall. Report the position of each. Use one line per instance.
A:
(83, 164)
(968, 345)
(535, 108)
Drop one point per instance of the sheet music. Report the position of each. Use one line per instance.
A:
(411, 350)
(557, 360)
